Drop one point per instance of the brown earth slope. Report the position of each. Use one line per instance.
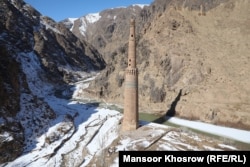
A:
(192, 64)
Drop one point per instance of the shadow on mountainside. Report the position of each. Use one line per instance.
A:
(171, 112)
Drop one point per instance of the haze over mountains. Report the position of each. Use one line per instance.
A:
(193, 64)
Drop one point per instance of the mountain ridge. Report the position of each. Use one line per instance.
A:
(192, 64)
(38, 56)
(178, 44)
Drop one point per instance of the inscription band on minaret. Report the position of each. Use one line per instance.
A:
(130, 116)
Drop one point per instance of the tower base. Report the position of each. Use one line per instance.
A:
(129, 125)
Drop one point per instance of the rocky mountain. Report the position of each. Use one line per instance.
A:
(103, 28)
(193, 63)
(193, 58)
(37, 56)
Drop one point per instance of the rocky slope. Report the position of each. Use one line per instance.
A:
(37, 55)
(88, 134)
(193, 58)
(104, 29)
(41, 61)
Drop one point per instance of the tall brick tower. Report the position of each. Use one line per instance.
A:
(130, 116)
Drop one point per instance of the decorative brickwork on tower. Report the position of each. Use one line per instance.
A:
(130, 116)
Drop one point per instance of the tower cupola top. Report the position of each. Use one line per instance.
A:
(132, 21)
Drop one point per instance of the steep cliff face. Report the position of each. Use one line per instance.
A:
(193, 58)
(37, 57)
(205, 58)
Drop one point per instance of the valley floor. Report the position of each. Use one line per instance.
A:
(85, 134)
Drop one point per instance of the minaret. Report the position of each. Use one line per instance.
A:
(130, 115)
(202, 12)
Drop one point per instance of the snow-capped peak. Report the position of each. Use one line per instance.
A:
(72, 19)
(90, 18)
(141, 5)
(93, 17)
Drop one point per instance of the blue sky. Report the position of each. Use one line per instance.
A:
(61, 9)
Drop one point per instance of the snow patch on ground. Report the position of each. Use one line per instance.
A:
(88, 19)
(6, 137)
(236, 134)
(82, 131)
(72, 19)
(211, 148)
(47, 26)
(31, 66)
(227, 146)
(80, 86)
(83, 26)
(93, 17)
(89, 127)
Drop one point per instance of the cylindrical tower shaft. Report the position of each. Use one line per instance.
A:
(130, 116)
(131, 45)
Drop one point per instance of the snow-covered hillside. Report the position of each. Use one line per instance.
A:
(57, 126)
(69, 23)
(86, 20)
(83, 23)
(141, 5)
(85, 134)
(81, 133)
(38, 57)
(44, 71)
